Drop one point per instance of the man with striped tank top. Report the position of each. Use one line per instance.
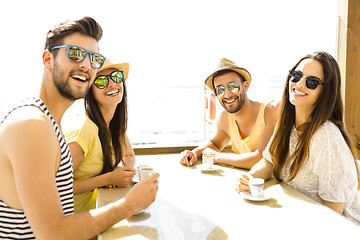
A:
(36, 177)
(248, 124)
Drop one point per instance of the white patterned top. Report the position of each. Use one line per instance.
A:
(329, 173)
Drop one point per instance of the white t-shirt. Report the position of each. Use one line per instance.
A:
(329, 173)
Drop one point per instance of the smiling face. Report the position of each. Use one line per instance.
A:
(73, 79)
(299, 95)
(232, 102)
(112, 94)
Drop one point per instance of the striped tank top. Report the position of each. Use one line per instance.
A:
(13, 222)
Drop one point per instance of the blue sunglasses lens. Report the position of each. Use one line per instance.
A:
(117, 76)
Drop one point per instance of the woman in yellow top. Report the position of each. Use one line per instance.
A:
(101, 151)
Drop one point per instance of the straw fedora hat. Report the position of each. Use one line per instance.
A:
(124, 67)
(226, 64)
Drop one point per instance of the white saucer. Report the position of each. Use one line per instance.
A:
(205, 169)
(141, 212)
(247, 195)
(136, 178)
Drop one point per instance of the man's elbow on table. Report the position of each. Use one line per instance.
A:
(336, 206)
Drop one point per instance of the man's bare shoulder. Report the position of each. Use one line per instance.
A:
(223, 116)
(25, 120)
(24, 114)
(272, 105)
(27, 133)
(222, 121)
(271, 111)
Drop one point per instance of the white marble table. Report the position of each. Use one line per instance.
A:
(194, 205)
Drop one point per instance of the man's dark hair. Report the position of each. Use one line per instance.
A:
(87, 26)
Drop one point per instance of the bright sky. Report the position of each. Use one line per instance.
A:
(181, 39)
(170, 43)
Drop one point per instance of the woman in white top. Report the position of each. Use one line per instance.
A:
(310, 148)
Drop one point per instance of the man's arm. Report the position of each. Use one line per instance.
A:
(247, 160)
(34, 153)
(336, 206)
(217, 143)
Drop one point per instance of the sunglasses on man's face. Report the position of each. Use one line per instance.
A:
(78, 54)
(102, 81)
(234, 87)
(311, 82)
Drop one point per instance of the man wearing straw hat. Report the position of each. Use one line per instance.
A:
(248, 124)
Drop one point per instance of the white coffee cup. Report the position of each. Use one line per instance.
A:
(208, 160)
(145, 172)
(256, 187)
(137, 169)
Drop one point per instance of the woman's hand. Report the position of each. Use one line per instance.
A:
(243, 184)
(120, 176)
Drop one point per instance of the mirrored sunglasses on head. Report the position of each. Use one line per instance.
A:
(219, 90)
(102, 81)
(78, 54)
(311, 82)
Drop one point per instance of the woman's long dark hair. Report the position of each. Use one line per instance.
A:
(113, 140)
(328, 107)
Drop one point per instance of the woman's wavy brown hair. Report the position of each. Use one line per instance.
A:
(112, 140)
(328, 107)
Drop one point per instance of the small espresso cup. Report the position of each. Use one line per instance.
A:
(208, 160)
(256, 187)
(145, 172)
(137, 169)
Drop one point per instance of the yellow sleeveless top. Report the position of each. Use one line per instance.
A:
(92, 164)
(251, 142)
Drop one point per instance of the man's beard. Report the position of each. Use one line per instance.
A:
(238, 107)
(63, 85)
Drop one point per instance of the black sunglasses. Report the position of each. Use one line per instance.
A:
(219, 90)
(311, 82)
(102, 81)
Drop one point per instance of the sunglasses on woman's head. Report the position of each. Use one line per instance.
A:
(219, 90)
(78, 54)
(311, 82)
(102, 81)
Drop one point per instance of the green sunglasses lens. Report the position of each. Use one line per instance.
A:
(76, 54)
(101, 82)
(117, 76)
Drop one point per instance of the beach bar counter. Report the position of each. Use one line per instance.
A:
(194, 204)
